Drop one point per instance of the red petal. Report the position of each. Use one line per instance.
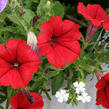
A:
(56, 25)
(11, 46)
(82, 10)
(72, 46)
(101, 83)
(4, 67)
(26, 70)
(106, 77)
(44, 48)
(22, 50)
(60, 54)
(12, 77)
(31, 56)
(47, 28)
(102, 98)
(71, 33)
(19, 100)
(106, 25)
(96, 22)
(13, 102)
(56, 57)
(101, 13)
(4, 54)
(43, 38)
(39, 102)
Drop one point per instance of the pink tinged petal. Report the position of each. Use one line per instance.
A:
(82, 10)
(56, 25)
(26, 70)
(11, 46)
(13, 78)
(4, 67)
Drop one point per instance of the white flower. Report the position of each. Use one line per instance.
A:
(62, 96)
(84, 98)
(79, 87)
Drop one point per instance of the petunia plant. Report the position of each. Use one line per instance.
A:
(43, 42)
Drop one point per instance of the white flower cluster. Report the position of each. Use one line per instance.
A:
(62, 96)
(81, 94)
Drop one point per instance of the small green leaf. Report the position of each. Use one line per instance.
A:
(28, 15)
(58, 9)
(57, 82)
(38, 83)
(52, 74)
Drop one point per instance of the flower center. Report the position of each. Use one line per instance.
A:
(53, 40)
(16, 65)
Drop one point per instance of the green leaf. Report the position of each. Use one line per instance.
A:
(38, 83)
(28, 15)
(9, 93)
(52, 74)
(58, 9)
(57, 82)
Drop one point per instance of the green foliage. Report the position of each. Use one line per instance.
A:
(13, 24)
(57, 82)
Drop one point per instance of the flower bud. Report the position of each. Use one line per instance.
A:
(91, 31)
(13, 3)
(99, 75)
(48, 4)
(21, 10)
(32, 40)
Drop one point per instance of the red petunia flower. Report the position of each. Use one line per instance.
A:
(17, 63)
(19, 101)
(95, 13)
(58, 41)
(102, 97)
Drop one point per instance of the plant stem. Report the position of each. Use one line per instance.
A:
(77, 21)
